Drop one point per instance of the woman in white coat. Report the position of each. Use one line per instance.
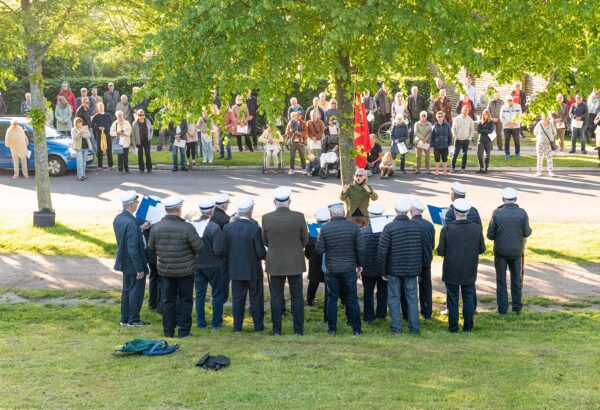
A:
(121, 129)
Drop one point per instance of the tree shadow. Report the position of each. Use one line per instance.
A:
(63, 230)
(559, 255)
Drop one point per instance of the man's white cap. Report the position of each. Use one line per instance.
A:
(172, 201)
(402, 203)
(282, 193)
(461, 205)
(417, 204)
(156, 198)
(222, 199)
(335, 204)
(459, 188)
(509, 193)
(376, 209)
(245, 202)
(128, 197)
(322, 215)
(206, 204)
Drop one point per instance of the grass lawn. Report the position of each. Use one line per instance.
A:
(59, 356)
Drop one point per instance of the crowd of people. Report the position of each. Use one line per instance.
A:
(392, 256)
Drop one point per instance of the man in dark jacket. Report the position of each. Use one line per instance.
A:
(509, 229)
(372, 275)
(425, 287)
(221, 218)
(252, 104)
(315, 264)
(209, 266)
(111, 99)
(416, 104)
(285, 234)
(83, 112)
(341, 242)
(131, 260)
(244, 249)
(579, 115)
(401, 258)
(177, 244)
(461, 243)
(141, 137)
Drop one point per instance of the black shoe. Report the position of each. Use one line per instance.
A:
(137, 324)
(221, 156)
(309, 302)
(357, 332)
(227, 159)
(174, 170)
(572, 151)
(276, 333)
(481, 171)
(584, 152)
(141, 171)
(127, 172)
(184, 169)
(331, 332)
(181, 336)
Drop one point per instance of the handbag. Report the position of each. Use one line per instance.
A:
(116, 147)
(552, 144)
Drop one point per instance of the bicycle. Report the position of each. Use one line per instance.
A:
(384, 132)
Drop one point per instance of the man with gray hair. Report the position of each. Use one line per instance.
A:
(342, 243)
(111, 99)
(92, 100)
(285, 234)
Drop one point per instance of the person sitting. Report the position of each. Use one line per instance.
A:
(271, 139)
(374, 156)
(314, 165)
(387, 166)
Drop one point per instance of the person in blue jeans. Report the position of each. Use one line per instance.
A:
(209, 267)
(178, 136)
(222, 145)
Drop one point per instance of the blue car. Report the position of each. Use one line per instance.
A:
(61, 157)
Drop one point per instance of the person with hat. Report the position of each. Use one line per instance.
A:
(244, 250)
(400, 254)
(285, 234)
(372, 276)
(154, 287)
(358, 196)
(461, 243)
(177, 245)
(509, 228)
(425, 287)
(315, 263)
(221, 218)
(296, 134)
(511, 125)
(131, 260)
(342, 243)
(209, 266)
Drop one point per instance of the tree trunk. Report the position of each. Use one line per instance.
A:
(345, 102)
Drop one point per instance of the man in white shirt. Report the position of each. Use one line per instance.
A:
(463, 128)
(511, 127)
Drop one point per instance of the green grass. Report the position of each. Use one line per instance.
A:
(40, 294)
(56, 356)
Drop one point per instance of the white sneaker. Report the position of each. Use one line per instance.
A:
(550, 174)
(303, 172)
(538, 174)
(444, 312)
(291, 172)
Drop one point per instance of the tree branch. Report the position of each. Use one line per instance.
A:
(5, 4)
(63, 20)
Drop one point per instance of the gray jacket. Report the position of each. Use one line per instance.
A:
(135, 133)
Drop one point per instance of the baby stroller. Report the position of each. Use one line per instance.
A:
(330, 159)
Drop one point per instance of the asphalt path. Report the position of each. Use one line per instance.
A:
(566, 198)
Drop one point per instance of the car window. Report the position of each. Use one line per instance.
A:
(3, 128)
(52, 133)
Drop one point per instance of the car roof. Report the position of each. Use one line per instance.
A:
(8, 119)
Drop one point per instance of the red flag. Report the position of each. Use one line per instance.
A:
(362, 140)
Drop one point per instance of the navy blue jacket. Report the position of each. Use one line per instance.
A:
(220, 217)
(343, 245)
(509, 229)
(401, 248)
(210, 255)
(399, 133)
(244, 249)
(371, 268)
(441, 135)
(428, 239)
(131, 253)
(472, 216)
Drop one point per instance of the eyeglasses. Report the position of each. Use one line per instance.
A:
(423, 115)
(141, 115)
(360, 175)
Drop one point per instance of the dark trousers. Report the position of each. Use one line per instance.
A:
(311, 291)
(109, 157)
(460, 145)
(411, 131)
(578, 132)
(203, 278)
(132, 298)
(178, 295)
(514, 133)
(335, 283)
(452, 292)
(481, 148)
(499, 139)
(247, 142)
(516, 285)
(402, 159)
(222, 145)
(225, 283)
(154, 290)
(425, 292)
(278, 302)
(253, 132)
(369, 312)
(297, 147)
(144, 150)
(191, 149)
(239, 291)
(123, 160)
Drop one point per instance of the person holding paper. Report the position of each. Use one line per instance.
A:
(372, 275)
(296, 135)
(240, 110)
(316, 129)
(545, 134)
(425, 287)
(80, 143)
(511, 126)
(331, 118)
(441, 138)
(399, 136)
(179, 144)
(357, 197)
(560, 120)
(578, 115)
(486, 128)
(16, 140)
(121, 129)
(422, 133)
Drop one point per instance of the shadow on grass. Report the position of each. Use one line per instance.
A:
(63, 230)
(559, 255)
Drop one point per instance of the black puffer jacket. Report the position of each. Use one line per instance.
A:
(428, 238)
(343, 245)
(508, 229)
(401, 248)
(371, 268)
(176, 243)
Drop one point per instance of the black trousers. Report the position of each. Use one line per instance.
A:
(468, 296)
(516, 283)
(226, 283)
(132, 298)
(311, 291)
(144, 150)
(178, 295)
(369, 311)
(515, 134)
(247, 141)
(109, 158)
(460, 145)
(239, 291)
(278, 302)
(154, 290)
(481, 148)
(253, 132)
(124, 160)
(425, 292)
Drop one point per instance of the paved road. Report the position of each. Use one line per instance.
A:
(570, 197)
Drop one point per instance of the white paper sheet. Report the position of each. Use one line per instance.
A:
(155, 213)
(242, 129)
(122, 141)
(492, 135)
(135, 151)
(179, 144)
(577, 123)
(333, 130)
(377, 224)
(200, 226)
(370, 117)
(402, 148)
(423, 145)
(28, 154)
(560, 125)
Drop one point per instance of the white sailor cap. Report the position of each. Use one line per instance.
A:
(417, 204)
(172, 201)
(509, 193)
(461, 205)
(376, 210)
(335, 204)
(282, 193)
(459, 188)
(206, 204)
(222, 199)
(156, 198)
(128, 197)
(402, 203)
(245, 202)
(322, 215)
